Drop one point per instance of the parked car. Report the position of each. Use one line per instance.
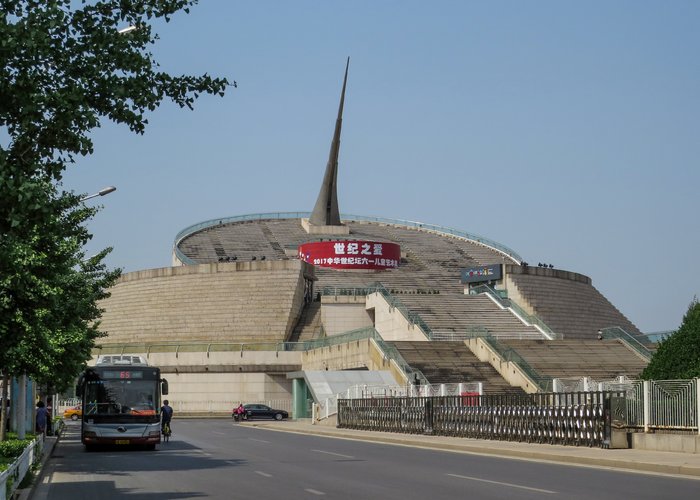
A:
(262, 411)
(74, 413)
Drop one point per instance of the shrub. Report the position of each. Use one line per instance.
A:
(678, 357)
(13, 448)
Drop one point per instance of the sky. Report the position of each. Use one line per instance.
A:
(567, 131)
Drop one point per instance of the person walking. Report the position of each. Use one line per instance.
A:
(42, 415)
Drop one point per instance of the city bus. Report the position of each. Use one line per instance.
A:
(121, 402)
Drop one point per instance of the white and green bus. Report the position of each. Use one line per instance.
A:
(121, 398)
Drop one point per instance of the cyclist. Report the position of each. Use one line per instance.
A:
(239, 413)
(166, 415)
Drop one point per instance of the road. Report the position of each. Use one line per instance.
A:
(215, 458)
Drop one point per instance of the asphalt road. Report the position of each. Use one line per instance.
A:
(221, 459)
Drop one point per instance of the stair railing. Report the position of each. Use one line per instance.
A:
(508, 354)
(615, 332)
(517, 310)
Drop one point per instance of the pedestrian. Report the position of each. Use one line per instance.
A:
(42, 416)
(239, 412)
(166, 415)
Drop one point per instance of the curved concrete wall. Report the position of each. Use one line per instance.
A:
(567, 302)
(221, 302)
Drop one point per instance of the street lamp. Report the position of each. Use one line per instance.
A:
(126, 30)
(101, 192)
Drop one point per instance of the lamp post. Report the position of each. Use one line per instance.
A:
(101, 192)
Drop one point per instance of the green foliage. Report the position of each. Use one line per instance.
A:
(48, 295)
(13, 448)
(65, 67)
(678, 356)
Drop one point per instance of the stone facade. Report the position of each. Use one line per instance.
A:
(218, 302)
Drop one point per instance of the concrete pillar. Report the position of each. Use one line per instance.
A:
(299, 398)
(556, 385)
(21, 402)
(697, 401)
(646, 393)
(586, 384)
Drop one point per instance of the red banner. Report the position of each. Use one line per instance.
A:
(351, 254)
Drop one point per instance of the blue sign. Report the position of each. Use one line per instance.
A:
(482, 273)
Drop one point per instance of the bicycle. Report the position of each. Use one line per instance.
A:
(166, 432)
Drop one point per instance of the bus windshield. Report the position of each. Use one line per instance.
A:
(122, 392)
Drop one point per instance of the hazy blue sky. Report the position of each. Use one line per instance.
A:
(569, 132)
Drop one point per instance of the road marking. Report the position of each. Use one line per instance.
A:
(511, 485)
(259, 440)
(265, 474)
(315, 492)
(336, 454)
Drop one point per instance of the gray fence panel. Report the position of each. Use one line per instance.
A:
(578, 419)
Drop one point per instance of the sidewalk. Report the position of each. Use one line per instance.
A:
(49, 445)
(659, 462)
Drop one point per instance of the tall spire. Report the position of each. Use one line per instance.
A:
(326, 211)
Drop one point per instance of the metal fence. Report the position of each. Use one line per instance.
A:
(656, 405)
(579, 419)
(502, 249)
(11, 477)
(329, 406)
(651, 406)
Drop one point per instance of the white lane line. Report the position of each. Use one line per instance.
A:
(331, 453)
(259, 440)
(511, 485)
(264, 474)
(315, 492)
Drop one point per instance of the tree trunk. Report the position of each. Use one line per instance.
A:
(3, 406)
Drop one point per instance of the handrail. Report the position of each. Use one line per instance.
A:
(615, 332)
(188, 231)
(509, 304)
(393, 301)
(343, 338)
(18, 469)
(195, 346)
(656, 337)
(389, 351)
(412, 374)
(511, 355)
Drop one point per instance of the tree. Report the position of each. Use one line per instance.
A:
(63, 69)
(678, 356)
